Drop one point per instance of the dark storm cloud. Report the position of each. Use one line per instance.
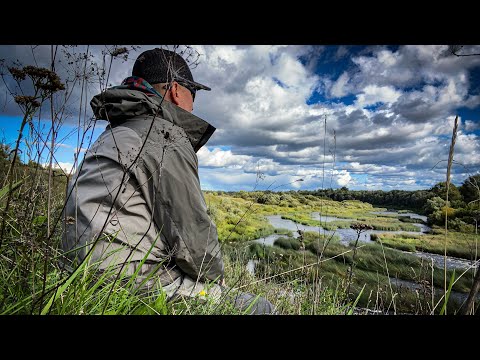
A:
(70, 65)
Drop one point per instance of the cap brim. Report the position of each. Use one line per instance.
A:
(196, 85)
(199, 86)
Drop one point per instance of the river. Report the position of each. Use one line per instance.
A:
(411, 215)
(348, 235)
(345, 235)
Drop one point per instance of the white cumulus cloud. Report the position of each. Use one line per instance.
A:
(220, 158)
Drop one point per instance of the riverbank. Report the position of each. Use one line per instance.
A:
(376, 267)
(238, 219)
(384, 272)
(459, 244)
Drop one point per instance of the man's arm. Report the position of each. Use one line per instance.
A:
(179, 208)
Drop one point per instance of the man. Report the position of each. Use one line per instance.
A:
(136, 204)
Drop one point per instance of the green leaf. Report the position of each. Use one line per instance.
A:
(39, 220)
(5, 190)
(447, 295)
(63, 288)
(350, 312)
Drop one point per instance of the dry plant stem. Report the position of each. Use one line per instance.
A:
(433, 289)
(389, 282)
(350, 269)
(52, 147)
(27, 117)
(315, 287)
(468, 307)
(449, 166)
(331, 178)
(49, 196)
(455, 50)
(97, 238)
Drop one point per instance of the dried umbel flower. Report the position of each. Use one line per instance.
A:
(55, 83)
(42, 78)
(27, 100)
(361, 227)
(36, 72)
(52, 86)
(17, 74)
(119, 51)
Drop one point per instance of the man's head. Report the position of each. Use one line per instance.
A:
(170, 75)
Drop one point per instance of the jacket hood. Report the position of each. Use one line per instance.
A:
(120, 104)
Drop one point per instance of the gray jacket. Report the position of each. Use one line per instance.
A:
(137, 191)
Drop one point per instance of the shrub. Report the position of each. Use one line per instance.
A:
(286, 243)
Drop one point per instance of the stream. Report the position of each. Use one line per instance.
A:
(411, 215)
(345, 235)
(348, 235)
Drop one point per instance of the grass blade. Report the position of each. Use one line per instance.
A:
(447, 295)
(6, 189)
(350, 312)
(62, 288)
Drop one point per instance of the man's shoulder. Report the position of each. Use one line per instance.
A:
(151, 135)
(121, 144)
(157, 131)
(153, 127)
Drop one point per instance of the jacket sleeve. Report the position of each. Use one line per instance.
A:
(179, 208)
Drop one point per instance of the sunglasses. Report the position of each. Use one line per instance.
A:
(186, 85)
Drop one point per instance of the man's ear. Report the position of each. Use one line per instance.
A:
(174, 93)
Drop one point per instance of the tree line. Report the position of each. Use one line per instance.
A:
(463, 207)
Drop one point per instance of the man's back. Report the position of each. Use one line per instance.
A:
(137, 191)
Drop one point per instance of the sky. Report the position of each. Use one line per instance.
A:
(295, 117)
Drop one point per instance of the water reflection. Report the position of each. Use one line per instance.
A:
(348, 235)
(345, 235)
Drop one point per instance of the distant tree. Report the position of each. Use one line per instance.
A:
(470, 190)
(436, 209)
(454, 196)
(434, 204)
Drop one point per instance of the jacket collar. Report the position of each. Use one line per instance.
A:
(119, 102)
(198, 130)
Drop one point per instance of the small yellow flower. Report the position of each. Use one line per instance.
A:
(202, 293)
